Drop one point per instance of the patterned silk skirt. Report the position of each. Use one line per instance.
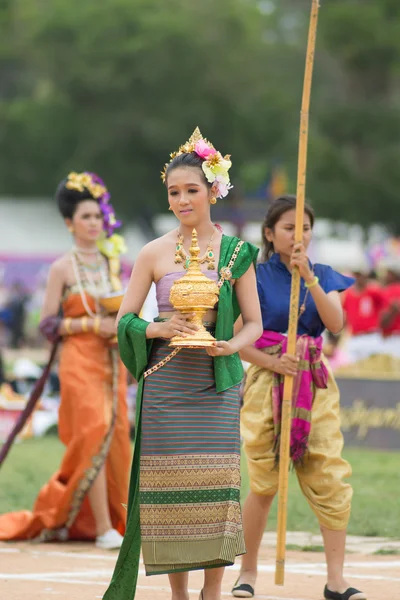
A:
(190, 516)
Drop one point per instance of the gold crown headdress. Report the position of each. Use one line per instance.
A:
(81, 181)
(215, 166)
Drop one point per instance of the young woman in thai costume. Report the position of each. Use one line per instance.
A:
(184, 508)
(84, 499)
(316, 439)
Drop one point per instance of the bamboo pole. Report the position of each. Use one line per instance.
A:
(284, 452)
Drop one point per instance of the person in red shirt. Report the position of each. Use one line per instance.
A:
(363, 304)
(390, 317)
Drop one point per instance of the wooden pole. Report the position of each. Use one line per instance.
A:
(284, 452)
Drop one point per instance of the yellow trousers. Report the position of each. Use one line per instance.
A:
(322, 474)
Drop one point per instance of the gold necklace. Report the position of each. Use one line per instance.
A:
(95, 287)
(181, 255)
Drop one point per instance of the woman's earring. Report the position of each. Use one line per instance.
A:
(169, 208)
(71, 229)
(213, 200)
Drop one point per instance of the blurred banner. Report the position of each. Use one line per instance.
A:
(370, 412)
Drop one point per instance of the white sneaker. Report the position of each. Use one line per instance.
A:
(110, 540)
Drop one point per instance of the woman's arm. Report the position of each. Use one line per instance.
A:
(104, 327)
(54, 290)
(247, 295)
(136, 294)
(285, 364)
(139, 284)
(51, 305)
(328, 305)
(246, 292)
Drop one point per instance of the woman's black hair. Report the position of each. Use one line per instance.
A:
(68, 200)
(187, 159)
(276, 209)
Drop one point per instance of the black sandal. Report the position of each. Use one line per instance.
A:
(347, 595)
(244, 590)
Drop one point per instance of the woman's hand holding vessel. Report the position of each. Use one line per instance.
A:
(176, 325)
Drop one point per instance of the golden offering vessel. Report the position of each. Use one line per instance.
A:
(194, 293)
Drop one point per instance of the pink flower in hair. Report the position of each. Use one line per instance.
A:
(203, 150)
(223, 187)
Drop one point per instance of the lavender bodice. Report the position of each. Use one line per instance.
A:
(163, 288)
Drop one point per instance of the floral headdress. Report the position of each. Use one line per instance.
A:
(112, 244)
(215, 166)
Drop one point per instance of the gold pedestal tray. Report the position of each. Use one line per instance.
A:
(112, 302)
(194, 294)
(201, 339)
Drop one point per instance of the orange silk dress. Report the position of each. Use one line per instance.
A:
(93, 425)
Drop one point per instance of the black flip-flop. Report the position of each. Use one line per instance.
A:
(244, 590)
(347, 595)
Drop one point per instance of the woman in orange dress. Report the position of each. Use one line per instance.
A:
(85, 498)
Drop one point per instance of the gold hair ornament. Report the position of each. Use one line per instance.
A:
(215, 166)
(81, 181)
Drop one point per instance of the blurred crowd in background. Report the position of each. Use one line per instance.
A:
(372, 310)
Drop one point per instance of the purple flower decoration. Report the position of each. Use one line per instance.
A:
(100, 192)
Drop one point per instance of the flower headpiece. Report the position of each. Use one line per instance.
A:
(97, 189)
(215, 166)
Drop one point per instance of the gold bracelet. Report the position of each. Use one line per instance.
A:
(84, 324)
(314, 282)
(96, 325)
(67, 325)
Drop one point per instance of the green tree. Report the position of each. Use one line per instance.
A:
(355, 172)
(115, 86)
(354, 147)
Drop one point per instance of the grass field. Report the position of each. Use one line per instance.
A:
(376, 483)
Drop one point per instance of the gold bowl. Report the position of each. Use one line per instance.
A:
(112, 302)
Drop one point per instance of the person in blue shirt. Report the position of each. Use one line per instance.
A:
(316, 440)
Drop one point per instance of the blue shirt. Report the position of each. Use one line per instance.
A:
(274, 283)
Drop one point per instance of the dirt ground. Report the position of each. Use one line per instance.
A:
(80, 571)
